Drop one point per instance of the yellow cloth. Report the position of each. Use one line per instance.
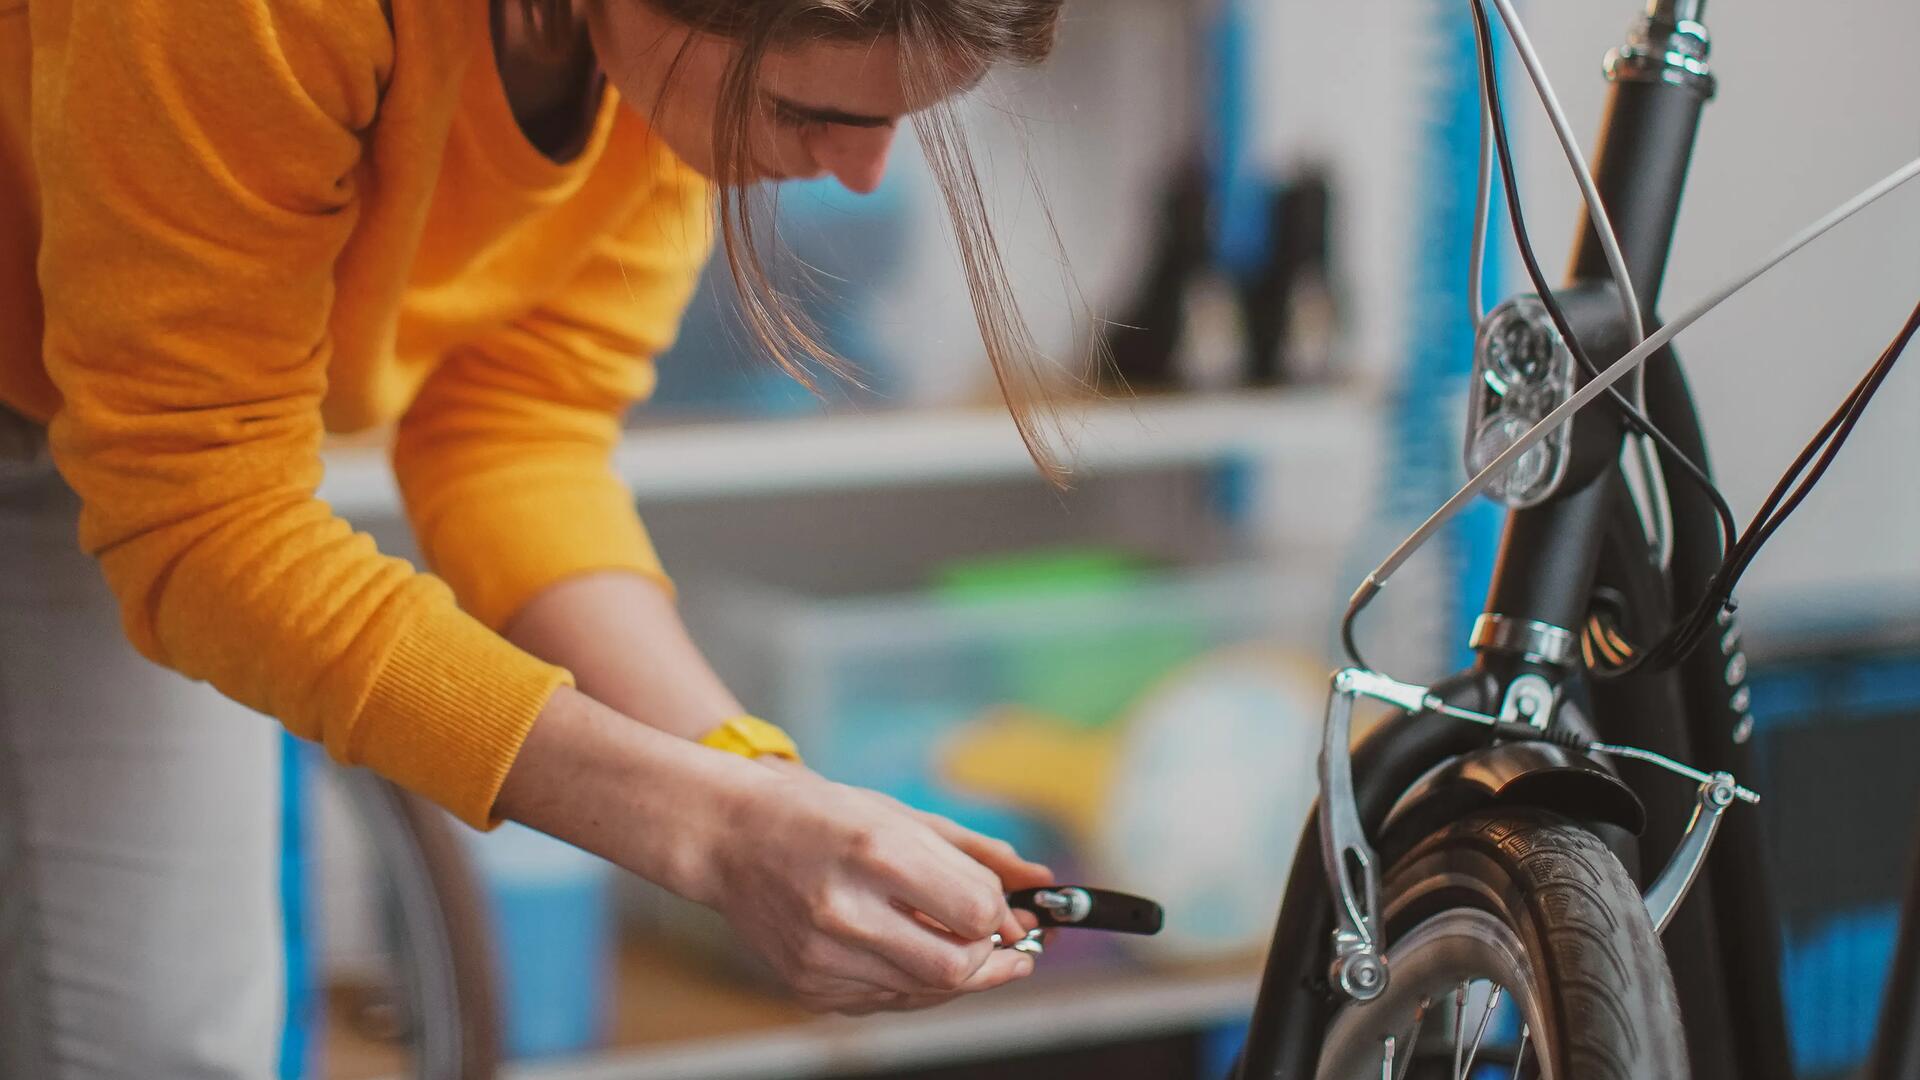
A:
(255, 219)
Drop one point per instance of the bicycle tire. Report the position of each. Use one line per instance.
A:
(439, 932)
(1601, 999)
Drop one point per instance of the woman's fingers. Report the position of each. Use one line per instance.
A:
(1003, 967)
(936, 959)
(1004, 862)
(893, 952)
(931, 875)
(1014, 870)
(999, 857)
(952, 884)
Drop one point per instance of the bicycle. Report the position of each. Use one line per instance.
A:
(1517, 831)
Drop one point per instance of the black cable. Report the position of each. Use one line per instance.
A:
(1489, 77)
(1346, 637)
(1786, 497)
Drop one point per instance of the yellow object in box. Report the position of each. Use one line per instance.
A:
(1195, 796)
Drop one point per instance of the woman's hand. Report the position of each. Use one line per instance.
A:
(861, 904)
(1015, 871)
(858, 902)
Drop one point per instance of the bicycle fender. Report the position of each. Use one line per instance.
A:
(1531, 774)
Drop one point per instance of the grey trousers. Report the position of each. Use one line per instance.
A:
(140, 915)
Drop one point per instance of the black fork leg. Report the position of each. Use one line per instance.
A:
(1896, 1051)
(1739, 881)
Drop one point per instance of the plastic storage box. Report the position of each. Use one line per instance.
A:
(1151, 729)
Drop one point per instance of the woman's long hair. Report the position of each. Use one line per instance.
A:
(935, 38)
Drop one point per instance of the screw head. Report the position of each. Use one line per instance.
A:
(1362, 977)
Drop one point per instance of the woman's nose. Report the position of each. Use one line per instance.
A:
(857, 157)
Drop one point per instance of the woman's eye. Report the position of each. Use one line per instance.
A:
(787, 118)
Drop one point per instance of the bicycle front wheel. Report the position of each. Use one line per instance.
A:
(1517, 941)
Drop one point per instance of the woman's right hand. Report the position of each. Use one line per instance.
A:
(857, 902)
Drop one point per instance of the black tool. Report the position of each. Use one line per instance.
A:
(1089, 909)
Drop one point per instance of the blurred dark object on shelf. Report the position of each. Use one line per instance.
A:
(1196, 322)
(1292, 313)
(1145, 343)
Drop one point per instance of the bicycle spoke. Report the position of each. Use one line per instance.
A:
(1386, 1059)
(1413, 1038)
(1459, 1028)
(1493, 1002)
(1520, 1055)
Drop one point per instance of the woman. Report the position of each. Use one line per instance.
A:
(227, 227)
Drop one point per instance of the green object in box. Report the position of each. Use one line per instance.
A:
(1087, 679)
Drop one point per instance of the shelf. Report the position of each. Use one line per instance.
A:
(678, 1018)
(923, 446)
(680, 1022)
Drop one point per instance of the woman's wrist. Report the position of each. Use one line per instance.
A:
(656, 804)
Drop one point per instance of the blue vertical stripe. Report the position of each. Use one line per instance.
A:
(1241, 200)
(305, 1017)
(1425, 460)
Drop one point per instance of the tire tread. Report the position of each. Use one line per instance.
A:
(1615, 1010)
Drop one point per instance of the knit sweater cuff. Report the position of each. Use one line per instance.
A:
(449, 710)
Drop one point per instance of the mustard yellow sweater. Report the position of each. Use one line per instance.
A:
(228, 225)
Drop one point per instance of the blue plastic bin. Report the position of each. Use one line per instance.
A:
(553, 924)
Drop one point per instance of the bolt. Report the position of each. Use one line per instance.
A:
(1743, 730)
(1363, 978)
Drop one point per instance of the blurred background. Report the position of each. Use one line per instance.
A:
(1264, 206)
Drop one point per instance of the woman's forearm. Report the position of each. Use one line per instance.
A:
(655, 804)
(622, 638)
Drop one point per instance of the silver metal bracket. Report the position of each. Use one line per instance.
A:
(1352, 868)
(1529, 700)
(1717, 792)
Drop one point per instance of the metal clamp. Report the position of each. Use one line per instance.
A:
(1352, 867)
(1539, 642)
(1717, 792)
(1660, 51)
(1529, 700)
